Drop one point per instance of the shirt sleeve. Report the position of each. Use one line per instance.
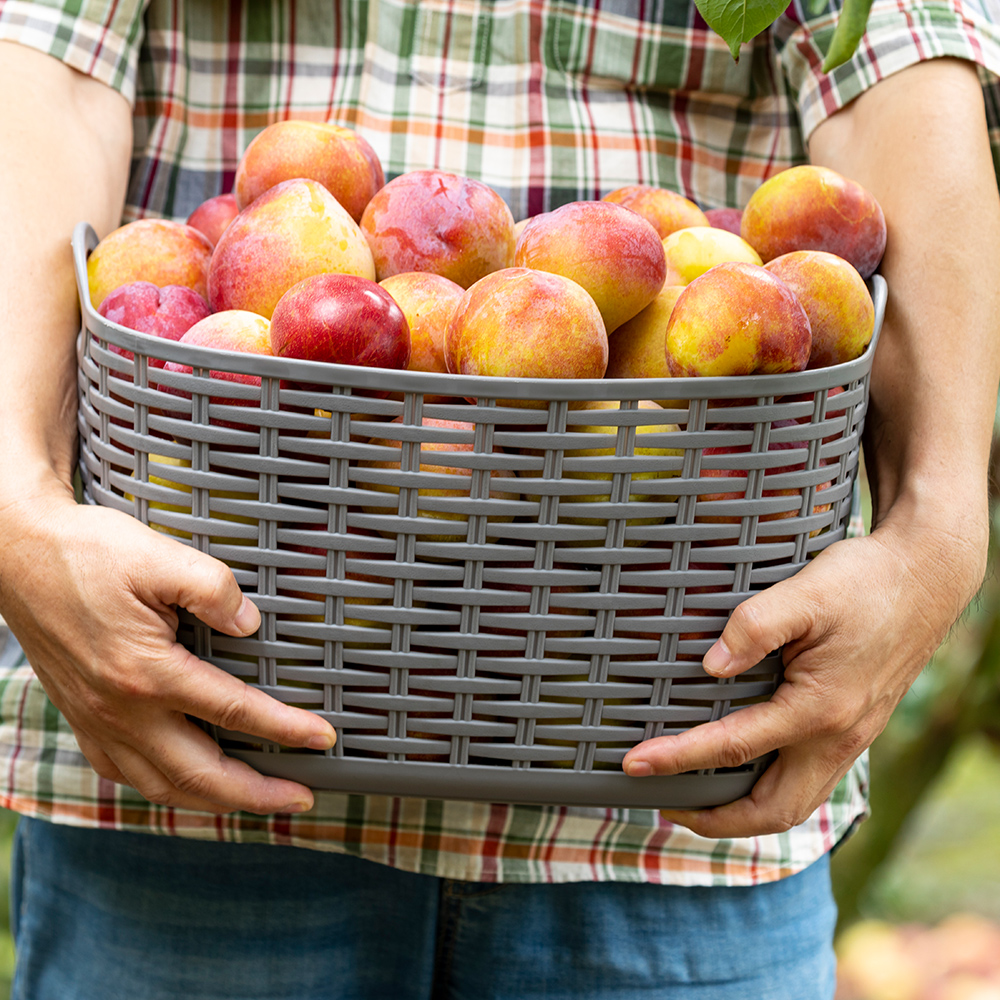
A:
(100, 38)
(899, 34)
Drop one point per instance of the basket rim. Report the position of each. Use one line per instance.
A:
(335, 378)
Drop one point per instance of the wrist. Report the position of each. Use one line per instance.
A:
(940, 529)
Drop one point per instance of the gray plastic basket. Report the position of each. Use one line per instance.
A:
(506, 630)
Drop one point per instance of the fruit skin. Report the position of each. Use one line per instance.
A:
(519, 228)
(737, 319)
(725, 218)
(663, 209)
(231, 330)
(340, 319)
(691, 252)
(428, 302)
(337, 157)
(167, 312)
(815, 208)
(637, 349)
(609, 250)
(432, 220)
(212, 217)
(836, 300)
(522, 323)
(294, 230)
(154, 250)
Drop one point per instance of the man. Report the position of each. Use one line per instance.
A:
(548, 103)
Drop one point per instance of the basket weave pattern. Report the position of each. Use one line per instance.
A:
(498, 610)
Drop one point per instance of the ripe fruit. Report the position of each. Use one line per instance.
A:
(814, 208)
(212, 217)
(691, 252)
(607, 249)
(294, 230)
(167, 312)
(154, 250)
(428, 302)
(342, 319)
(836, 300)
(432, 220)
(338, 158)
(231, 330)
(737, 319)
(527, 324)
(664, 210)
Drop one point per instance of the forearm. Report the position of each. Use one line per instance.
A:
(918, 141)
(65, 157)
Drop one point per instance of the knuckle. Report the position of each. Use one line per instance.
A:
(104, 768)
(750, 627)
(853, 743)
(212, 582)
(134, 685)
(97, 708)
(841, 714)
(234, 713)
(160, 794)
(196, 782)
(734, 750)
(784, 820)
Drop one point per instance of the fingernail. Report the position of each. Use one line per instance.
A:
(717, 660)
(680, 817)
(247, 619)
(639, 769)
(322, 741)
(297, 807)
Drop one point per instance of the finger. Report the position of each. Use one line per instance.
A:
(209, 693)
(191, 772)
(98, 759)
(760, 625)
(785, 795)
(731, 741)
(180, 575)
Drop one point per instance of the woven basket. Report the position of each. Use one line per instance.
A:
(496, 611)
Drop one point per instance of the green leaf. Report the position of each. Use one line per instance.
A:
(737, 21)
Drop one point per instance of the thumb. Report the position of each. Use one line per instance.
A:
(757, 627)
(183, 576)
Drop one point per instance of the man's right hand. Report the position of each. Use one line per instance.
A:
(91, 593)
(92, 596)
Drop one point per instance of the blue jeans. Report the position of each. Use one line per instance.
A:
(110, 916)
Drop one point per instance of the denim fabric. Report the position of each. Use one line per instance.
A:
(100, 915)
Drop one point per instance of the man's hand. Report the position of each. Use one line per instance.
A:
(857, 625)
(92, 595)
(863, 618)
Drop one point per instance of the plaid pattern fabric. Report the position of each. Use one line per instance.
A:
(548, 101)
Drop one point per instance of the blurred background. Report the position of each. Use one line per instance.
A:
(918, 886)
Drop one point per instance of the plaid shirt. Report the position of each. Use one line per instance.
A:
(548, 101)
